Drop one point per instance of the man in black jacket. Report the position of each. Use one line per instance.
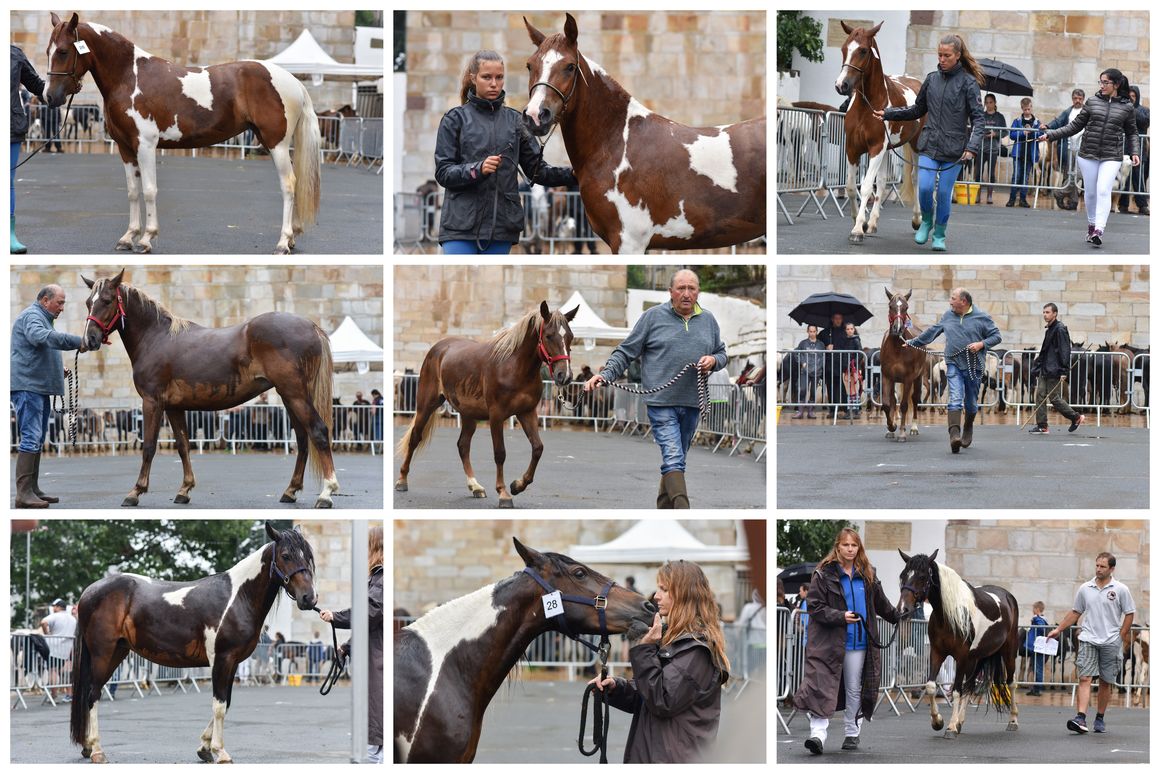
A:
(1050, 369)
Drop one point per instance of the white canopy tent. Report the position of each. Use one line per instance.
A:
(587, 325)
(348, 344)
(306, 57)
(654, 541)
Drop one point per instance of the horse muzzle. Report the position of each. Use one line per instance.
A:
(542, 123)
(307, 600)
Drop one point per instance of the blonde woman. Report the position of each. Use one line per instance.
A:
(678, 668)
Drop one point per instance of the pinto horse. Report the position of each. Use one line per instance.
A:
(646, 181)
(212, 622)
(492, 380)
(901, 365)
(450, 662)
(869, 88)
(977, 627)
(180, 366)
(151, 103)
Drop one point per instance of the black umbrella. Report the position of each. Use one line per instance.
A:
(1002, 78)
(817, 309)
(795, 575)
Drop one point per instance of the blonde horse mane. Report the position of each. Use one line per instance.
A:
(505, 343)
(958, 602)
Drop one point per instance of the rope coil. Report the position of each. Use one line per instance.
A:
(972, 358)
(702, 388)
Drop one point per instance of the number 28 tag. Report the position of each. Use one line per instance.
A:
(81, 46)
(553, 605)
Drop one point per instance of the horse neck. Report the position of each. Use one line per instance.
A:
(597, 91)
(266, 589)
(143, 321)
(112, 59)
(526, 353)
(873, 82)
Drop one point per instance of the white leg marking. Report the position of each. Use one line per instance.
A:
(280, 153)
(217, 742)
(93, 737)
(133, 185)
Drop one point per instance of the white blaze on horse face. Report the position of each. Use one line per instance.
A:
(845, 64)
(536, 101)
(196, 86)
(177, 597)
(982, 623)
(712, 156)
(89, 305)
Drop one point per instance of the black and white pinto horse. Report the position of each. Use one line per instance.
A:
(977, 627)
(450, 662)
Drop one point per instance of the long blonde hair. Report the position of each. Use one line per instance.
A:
(969, 64)
(861, 561)
(693, 610)
(374, 547)
(465, 83)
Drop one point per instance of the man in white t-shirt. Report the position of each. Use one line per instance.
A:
(1107, 609)
(60, 626)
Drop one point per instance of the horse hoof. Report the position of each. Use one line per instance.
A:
(124, 246)
(400, 486)
(890, 434)
(1012, 726)
(181, 500)
(291, 499)
(205, 755)
(129, 502)
(86, 752)
(479, 494)
(914, 432)
(937, 724)
(142, 249)
(872, 230)
(515, 487)
(320, 503)
(99, 757)
(856, 239)
(506, 503)
(948, 734)
(901, 438)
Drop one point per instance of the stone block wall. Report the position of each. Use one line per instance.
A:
(1097, 303)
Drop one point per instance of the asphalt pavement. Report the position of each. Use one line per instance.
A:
(1042, 739)
(244, 480)
(268, 724)
(974, 230)
(74, 203)
(824, 466)
(578, 469)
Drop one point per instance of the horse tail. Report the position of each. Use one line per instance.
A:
(990, 681)
(82, 677)
(321, 392)
(424, 436)
(307, 147)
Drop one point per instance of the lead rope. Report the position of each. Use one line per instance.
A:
(72, 392)
(600, 713)
(702, 388)
(56, 139)
(972, 358)
(337, 663)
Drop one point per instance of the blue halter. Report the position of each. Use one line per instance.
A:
(600, 602)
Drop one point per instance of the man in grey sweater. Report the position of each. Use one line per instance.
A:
(665, 339)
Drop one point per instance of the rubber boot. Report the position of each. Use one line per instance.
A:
(675, 488)
(968, 428)
(25, 474)
(923, 232)
(954, 418)
(939, 244)
(17, 248)
(36, 483)
(663, 501)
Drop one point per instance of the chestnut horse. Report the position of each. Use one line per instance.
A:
(492, 380)
(869, 88)
(180, 366)
(901, 365)
(151, 103)
(646, 181)
(450, 662)
(977, 627)
(214, 622)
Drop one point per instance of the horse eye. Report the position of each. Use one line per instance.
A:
(579, 573)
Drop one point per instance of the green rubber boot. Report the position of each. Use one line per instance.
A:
(940, 239)
(17, 248)
(923, 232)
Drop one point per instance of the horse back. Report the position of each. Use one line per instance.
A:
(471, 381)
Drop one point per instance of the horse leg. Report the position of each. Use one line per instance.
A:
(147, 162)
(868, 183)
(879, 193)
(212, 739)
(133, 184)
(958, 710)
(496, 423)
(888, 404)
(181, 436)
(464, 446)
(315, 426)
(851, 190)
(281, 155)
(936, 659)
(151, 426)
(915, 399)
(427, 401)
(103, 667)
(1009, 665)
(302, 438)
(528, 422)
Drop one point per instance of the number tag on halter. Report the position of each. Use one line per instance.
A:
(81, 46)
(553, 604)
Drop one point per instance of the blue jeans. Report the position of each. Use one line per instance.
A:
(468, 247)
(964, 393)
(946, 188)
(673, 427)
(1019, 175)
(32, 411)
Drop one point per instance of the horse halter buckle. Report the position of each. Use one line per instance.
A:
(118, 316)
(600, 602)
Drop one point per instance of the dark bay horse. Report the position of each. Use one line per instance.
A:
(214, 622)
(977, 627)
(450, 662)
(869, 88)
(492, 381)
(151, 103)
(180, 366)
(901, 365)
(646, 181)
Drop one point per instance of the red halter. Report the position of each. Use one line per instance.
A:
(118, 317)
(543, 351)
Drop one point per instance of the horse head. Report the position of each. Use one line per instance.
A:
(918, 579)
(899, 308)
(859, 55)
(69, 59)
(105, 307)
(556, 342)
(292, 562)
(553, 72)
(624, 609)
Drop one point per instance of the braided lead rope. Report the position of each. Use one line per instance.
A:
(71, 408)
(702, 388)
(972, 358)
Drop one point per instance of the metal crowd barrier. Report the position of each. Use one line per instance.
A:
(1097, 380)
(934, 382)
(1141, 371)
(805, 376)
(309, 661)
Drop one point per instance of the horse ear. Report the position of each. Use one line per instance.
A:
(271, 532)
(934, 555)
(88, 281)
(72, 23)
(533, 33)
(55, 20)
(545, 312)
(908, 293)
(905, 558)
(117, 280)
(889, 295)
(874, 30)
(569, 316)
(571, 31)
(530, 556)
(847, 28)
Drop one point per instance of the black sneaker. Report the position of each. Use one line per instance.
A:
(1079, 420)
(1097, 237)
(850, 743)
(1023, 203)
(1039, 430)
(1010, 203)
(1078, 724)
(814, 745)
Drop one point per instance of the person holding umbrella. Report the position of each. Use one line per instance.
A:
(835, 310)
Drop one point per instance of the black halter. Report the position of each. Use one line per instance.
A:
(576, 76)
(284, 578)
(600, 602)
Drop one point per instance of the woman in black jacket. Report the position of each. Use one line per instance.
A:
(476, 152)
(1108, 122)
(951, 96)
(23, 73)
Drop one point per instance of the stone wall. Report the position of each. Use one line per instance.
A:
(205, 37)
(213, 296)
(432, 302)
(1097, 303)
(438, 560)
(1047, 559)
(700, 69)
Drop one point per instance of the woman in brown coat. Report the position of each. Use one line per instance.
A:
(842, 667)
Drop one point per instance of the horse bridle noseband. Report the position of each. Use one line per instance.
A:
(548, 359)
(118, 316)
(576, 76)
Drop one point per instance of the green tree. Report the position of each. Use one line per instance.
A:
(796, 31)
(806, 540)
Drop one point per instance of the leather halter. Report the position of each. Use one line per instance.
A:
(919, 596)
(284, 578)
(600, 602)
(546, 356)
(576, 76)
(71, 74)
(118, 316)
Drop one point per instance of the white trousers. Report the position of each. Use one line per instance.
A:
(1099, 177)
(852, 676)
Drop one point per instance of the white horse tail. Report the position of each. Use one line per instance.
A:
(307, 145)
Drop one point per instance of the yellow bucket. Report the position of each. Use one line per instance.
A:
(294, 680)
(966, 193)
(777, 416)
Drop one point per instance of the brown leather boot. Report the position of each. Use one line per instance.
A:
(968, 428)
(675, 487)
(954, 419)
(36, 483)
(25, 475)
(663, 501)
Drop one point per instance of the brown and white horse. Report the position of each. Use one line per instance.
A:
(151, 103)
(863, 80)
(902, 366)
(646, 181)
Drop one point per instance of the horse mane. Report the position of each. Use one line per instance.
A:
(505, 343)
(163, 315)
(296, 539)
(958, 601)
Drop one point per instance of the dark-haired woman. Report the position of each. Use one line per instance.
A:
(1108, 123)
(476, 151)
(951, 96)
